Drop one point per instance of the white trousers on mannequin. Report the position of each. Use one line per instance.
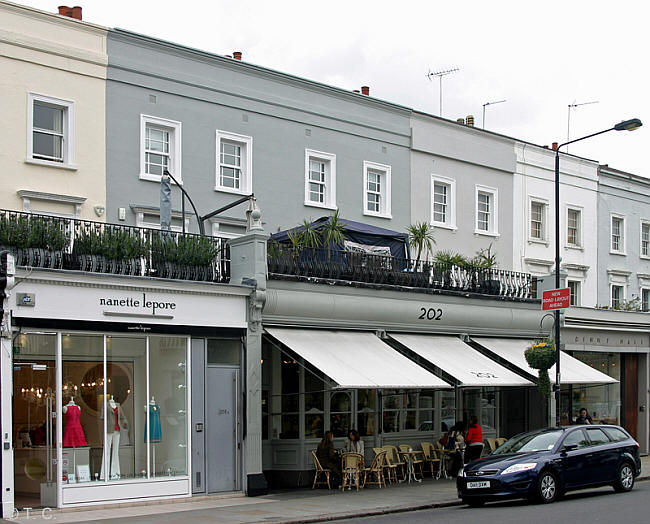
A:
(112, 454)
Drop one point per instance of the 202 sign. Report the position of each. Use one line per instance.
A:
(431, 313)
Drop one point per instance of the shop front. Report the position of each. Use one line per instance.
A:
(104, 388)
(616, 343)
(337, 358)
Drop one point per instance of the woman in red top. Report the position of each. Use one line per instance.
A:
(473, 440)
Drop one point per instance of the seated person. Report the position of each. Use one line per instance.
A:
(328, 457)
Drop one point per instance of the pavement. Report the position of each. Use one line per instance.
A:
(286, 507)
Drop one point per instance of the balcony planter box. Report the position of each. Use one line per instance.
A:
(34, 240)
(183, 257)
(110, 249)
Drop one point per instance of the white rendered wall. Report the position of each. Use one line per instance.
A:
(63, 58)
(535, 179)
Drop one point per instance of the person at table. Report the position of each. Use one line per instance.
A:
(455, 445)
(327, 455)
(354, 444)
(583, 417)
(473, 440)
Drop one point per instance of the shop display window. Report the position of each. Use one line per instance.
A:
(366, 411)
(340, 413)
(602, 402)
(290, 399)
(447, 410)
(104, 386)
(314, 403)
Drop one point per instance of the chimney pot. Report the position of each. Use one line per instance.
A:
(555, 144)
(236, 55)
(365, 90)
(460, 121)
(470, 120)
(72, 12)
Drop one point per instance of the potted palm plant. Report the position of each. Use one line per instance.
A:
(420, 238)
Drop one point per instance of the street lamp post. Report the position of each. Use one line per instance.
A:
(626, 125)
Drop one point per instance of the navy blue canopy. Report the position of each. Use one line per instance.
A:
(360, 233)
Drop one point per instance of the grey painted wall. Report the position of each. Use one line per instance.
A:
(283, 114)
(629, 196)
(469, 156)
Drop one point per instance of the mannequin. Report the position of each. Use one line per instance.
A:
(114, 416)
(73, 433)
(155, 428)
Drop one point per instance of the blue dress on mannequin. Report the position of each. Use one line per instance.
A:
(154, 423)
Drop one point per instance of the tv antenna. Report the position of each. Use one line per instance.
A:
(568, 119)
(490, 104)
(440, 74)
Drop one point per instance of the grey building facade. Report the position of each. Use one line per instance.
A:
(462, 184)
(227, 128)
(623, 240)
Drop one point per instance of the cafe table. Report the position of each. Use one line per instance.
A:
(409, 456)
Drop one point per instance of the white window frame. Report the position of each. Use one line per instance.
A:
(642, 293)
(621, 247)
(384, 171)
(544, 220)
(641, 254)
(578, 291)
(450, 218)
(579, 210)
(493, 223)
(330, 178)
(246, 178)
(174, 147)
(141, 222)
(68, 132)
(622, 299)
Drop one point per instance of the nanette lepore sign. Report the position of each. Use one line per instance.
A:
(556, 299)
(149, 306)
(119, 305)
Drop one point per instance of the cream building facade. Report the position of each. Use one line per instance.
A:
(52, 143)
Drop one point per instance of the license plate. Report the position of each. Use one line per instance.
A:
(480, 484)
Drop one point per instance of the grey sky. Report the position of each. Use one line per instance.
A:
(539, 56)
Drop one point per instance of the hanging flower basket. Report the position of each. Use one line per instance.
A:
(541, 356)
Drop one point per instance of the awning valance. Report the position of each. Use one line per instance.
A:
(355, 359)
(572, 371)
(462, 362)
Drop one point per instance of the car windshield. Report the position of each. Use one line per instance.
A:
(529, 442)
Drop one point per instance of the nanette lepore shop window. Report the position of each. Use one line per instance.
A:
(123, 404)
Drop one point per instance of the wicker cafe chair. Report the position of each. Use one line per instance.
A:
(320, 472)
(376, 470)
(492, 443)
(392, 464)
(430, 457)
(351, 469)
(398, 460)
(501, 441)
(418, 462)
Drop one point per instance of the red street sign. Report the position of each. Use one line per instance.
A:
(556, 299)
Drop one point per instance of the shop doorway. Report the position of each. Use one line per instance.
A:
(221, 409)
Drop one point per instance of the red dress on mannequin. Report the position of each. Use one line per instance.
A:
(73, 433)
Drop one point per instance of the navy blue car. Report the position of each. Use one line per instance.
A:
(546, 463)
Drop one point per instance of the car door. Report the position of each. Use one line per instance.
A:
(602, 458)
(573, 462)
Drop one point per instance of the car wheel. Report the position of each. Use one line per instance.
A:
(625, 478)
(547, 488)
(474, 502)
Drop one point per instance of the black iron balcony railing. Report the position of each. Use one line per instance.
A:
(376, 269)
(65, 243)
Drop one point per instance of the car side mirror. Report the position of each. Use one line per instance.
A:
(569, 447)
